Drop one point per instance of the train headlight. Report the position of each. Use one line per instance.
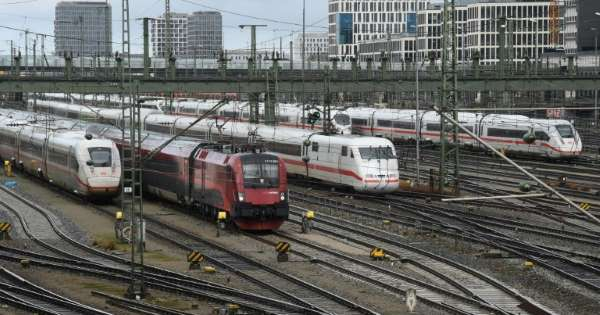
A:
(241, 196)
(282, 196)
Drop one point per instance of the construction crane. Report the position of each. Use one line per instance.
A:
(554, 24)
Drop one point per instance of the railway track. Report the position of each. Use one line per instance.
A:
(23, 294)
(279, 284)
(49, 235)
(439, 220)
(481, 286)
(445, 294)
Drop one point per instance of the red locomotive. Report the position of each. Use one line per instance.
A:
(250, 186)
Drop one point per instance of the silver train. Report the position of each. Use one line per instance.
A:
(366, 164)
(69, 159)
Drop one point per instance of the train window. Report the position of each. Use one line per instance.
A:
(101, 157)
(284, 148)
(342, 119)
(433, 127)
(506, 133)
(359, 122)
(260, 171)
(565, 131)
(376, 153)
(315, 147)
(384, 123)
(404, 125)
(229, 114)
(542, 136)
(344, 150)
(74, 163)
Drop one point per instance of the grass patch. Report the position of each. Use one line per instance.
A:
(109, 242)
(105, 288)
(160, 256)
(171, 303)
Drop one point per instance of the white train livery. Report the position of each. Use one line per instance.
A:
(69, 159)
(514, 134)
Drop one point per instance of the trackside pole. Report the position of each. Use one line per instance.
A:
(524, 171)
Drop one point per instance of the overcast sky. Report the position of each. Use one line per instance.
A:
(38, 16)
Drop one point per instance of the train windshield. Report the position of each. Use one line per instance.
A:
(101, 157)
(376, 153)
(342, 119)
(565, 131)
(260, 171)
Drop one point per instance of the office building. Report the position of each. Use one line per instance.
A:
(491, 30)
(316, 46)
(204, 34)
(83, 28)
(179, 32)
(352, 22)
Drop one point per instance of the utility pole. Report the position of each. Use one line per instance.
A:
(253, 97)
(131, 193)
(81, 44)
(146, 49)
(168, 33)
(449, 156)
(303, 59)
(417, 113)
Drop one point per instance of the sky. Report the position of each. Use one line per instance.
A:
(38, 16)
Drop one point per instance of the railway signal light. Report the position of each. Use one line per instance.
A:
(313, 117)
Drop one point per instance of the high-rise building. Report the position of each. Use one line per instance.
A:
(582, 25)
(491, 29)
(352, 22)
(83, 28)
(316, 46)
(179, 33)
(204, 34)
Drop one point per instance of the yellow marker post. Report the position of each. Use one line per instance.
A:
(377, 253)
(221, 219)
(307, 221)
(7, 169)
(282, 249)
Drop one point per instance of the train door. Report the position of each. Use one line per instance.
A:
(45, 155)
(342, 161)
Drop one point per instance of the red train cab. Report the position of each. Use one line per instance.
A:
(251, 187)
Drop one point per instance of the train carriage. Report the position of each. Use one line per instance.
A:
(250, 186)
(545, 137)
(72, 160)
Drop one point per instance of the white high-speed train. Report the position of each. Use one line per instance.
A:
(70, 159)
(365, 163)
(289, 115)
(510, 133)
